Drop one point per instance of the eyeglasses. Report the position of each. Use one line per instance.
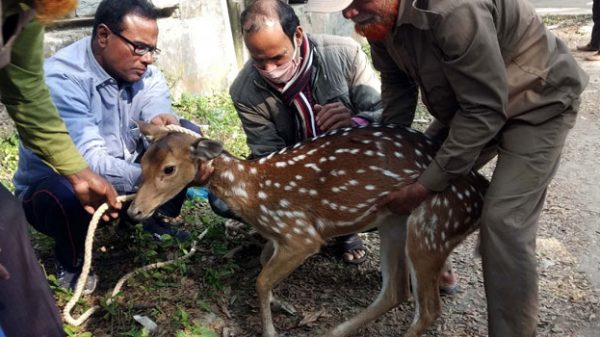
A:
(139, 49)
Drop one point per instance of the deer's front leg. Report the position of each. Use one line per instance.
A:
(285, 259)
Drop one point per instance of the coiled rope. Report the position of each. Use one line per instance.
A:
(87, 259)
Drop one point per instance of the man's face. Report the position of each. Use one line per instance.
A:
(373, 18)
(270, 47)
(117, 56)
(49, 10)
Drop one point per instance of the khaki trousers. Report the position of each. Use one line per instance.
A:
(528, 157)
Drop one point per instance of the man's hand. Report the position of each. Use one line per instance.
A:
(332, 116)
(405, 199)
(92, 191)
(4, 275)
(164, 119)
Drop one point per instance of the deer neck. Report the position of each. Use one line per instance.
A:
(234, 181)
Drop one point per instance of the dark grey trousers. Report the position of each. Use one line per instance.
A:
(595, 40)
(27, 308)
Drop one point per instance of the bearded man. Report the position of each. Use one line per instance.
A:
(497, 82)
(27, 307)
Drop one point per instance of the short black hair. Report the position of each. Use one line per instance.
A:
(112, 12)
(257, 13)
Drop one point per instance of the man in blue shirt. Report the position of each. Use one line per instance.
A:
(100, 85)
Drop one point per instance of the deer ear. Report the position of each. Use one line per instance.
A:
(152, 132)
(206, 149)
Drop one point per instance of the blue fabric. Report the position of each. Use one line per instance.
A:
(99, 114)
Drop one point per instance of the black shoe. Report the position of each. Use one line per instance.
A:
(68, 279)
(158, 226)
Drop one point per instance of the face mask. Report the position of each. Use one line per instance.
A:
(283, 73)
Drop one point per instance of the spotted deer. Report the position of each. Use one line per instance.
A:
(325, 187)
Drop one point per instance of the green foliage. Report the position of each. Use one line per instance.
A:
(9, 155)
(219, 114)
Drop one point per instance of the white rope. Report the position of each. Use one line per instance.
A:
(87, 263)
(180, 129)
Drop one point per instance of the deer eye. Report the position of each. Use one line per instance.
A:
(169, 169)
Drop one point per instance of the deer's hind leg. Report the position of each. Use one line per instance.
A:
(285, 259)
(394, 288)
(425, 257)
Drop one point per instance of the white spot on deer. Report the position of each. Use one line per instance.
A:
(453, 188)
(310, 152)
(226, 159)
(333, 206)
(322, 160)
(341, 172)
(300, 157)
(467, 193)
(284, 203)
(313, 193)
(288, 188)
(342, 150)
(280, 164)
(408, 171)
(460, 196)
(289, 236)
(293, 183)
(268, 182)
(297, 145)
(378, 134)
(332, 158)
(240, 167)
(361, 205)
(311, 231)
(313, 166)
(262, 160)
(264, 209)
(369, 153)
(278, 185)
(429, 158)
(228, 175)
(335, 190)
(262, 195)
(435, 201)
(302, 190)
(282, 151)
(354, 151)
(360, 171)
(369, 187)
(308, 241)
(298, 177)
(391, 174)
(447, 224)
(322, 179)
(469, 209)
(446, 202)
(353, 210)
(289, 214)
(281, 224)
(270, 155)
(366, 141)
(380, 154)
(274, 229)
(291, 162)
(352, 182)
(253, 170)
(384, 193)
(398, 155)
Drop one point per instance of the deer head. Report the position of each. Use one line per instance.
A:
(170, 164)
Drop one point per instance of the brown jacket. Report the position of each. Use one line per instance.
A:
(342, 73)
(478, 64)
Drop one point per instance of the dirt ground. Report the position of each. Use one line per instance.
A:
(324, 291)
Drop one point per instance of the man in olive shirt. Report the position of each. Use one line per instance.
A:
(26, 304)
(496, 81)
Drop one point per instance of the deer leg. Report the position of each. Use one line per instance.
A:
(284, 260)
(425, 262)
(394, 274)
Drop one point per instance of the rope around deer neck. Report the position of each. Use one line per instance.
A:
(87, 263)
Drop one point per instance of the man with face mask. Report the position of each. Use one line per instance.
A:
(297, 86)
(26, 304)
(497, 82)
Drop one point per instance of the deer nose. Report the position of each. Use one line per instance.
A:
(135, 213)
